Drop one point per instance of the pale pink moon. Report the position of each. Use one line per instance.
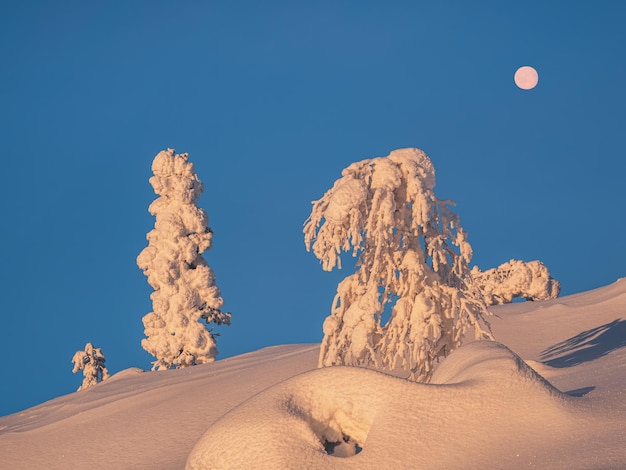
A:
(526, 77)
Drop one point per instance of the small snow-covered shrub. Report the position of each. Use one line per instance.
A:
(531, 281)
(412, 254)
(184, 285)
(91, 362)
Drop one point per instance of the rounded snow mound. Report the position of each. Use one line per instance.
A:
(489, 362)
(130, 372)
(483, 399)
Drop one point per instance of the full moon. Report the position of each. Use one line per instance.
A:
(526, 77)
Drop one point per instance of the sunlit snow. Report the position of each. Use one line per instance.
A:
(548, 394)
(413, 259)
(516, 279)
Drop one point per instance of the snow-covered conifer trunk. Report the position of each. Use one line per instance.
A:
(412, 253)
(515, 278)
(91, 362)
(184, 285)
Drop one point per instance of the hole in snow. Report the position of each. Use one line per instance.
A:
(346, 447)
(339, 426)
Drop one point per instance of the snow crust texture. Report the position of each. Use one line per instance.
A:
(413, 260)
(516, 279)
(184, 285)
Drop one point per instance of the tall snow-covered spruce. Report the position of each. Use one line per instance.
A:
(412, 254)
(184, 284)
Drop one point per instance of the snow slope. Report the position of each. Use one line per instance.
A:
(485, 408)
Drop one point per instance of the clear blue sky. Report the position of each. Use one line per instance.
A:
(272, 100)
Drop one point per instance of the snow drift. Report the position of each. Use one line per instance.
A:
(552, 398)
(385, 422)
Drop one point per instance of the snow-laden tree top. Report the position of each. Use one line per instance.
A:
(184, 285)
(91, 362)
(515, 278)
(371, 196)
(411, 252)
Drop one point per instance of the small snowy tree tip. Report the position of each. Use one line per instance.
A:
(412, 254)
(516, 279)
(184, 285)
(91, 362)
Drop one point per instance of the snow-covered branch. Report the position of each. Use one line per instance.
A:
(412, 253)
(515, 278)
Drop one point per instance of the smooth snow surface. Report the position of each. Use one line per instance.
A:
(485, 407)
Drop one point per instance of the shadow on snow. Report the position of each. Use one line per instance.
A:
(587, 346)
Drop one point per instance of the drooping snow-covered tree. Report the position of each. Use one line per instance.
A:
(515, 278)
(91, 362)
(184, 285)
(412, 254)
